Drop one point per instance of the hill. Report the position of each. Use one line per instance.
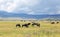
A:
(27, 16)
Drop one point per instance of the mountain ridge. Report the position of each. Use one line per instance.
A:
(22, 15)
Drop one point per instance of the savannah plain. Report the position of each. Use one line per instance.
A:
(46, 29)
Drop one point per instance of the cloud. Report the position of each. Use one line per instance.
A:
(11, 5)
(31, 6)
(48, 7)
(7, 5)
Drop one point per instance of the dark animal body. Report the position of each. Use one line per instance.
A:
(57, 22)
(52, 22)
(37, 24)
(18, 25)
(26, 25)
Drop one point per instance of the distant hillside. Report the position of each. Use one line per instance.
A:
(21, 15)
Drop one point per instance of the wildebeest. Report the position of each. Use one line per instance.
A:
(26, 25)
(18, 25)
(57, 22)
(52, 22)
(37, 24)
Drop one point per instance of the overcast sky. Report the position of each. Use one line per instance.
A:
(31, 6)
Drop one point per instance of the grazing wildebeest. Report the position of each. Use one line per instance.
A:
(26, 25)
(37, 24)
(52, 22)
(18, 25)
(57, 22)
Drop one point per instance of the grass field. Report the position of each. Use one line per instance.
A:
(8, 29)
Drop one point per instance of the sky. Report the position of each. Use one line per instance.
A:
(34, 7)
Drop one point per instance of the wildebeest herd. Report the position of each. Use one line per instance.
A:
(27, 25)
(33, 24)
(54, 22)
